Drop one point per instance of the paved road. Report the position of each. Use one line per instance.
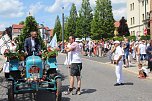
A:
(98, 80)
(97, 84)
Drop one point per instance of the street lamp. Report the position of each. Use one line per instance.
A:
(62, 29)
(42, 34)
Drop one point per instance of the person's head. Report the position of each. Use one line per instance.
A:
(71, 39)
(139, 66)
(126, 40)
(33, 34)
(116, 43)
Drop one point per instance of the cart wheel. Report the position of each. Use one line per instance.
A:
(59, 89)
(10, 93)
(7, 75)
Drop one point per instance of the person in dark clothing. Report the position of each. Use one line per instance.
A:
(32, 44)
(149, 54)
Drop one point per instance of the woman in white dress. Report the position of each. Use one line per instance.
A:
(68, 57)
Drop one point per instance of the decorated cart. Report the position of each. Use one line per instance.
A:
(38, 74)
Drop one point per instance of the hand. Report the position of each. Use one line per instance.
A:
(40, 53)
(26, 53)
(117, 62)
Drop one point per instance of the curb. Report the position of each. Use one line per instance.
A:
(126, 69)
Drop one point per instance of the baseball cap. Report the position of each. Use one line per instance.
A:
(116, 42)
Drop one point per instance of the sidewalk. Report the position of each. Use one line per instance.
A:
(132, 69)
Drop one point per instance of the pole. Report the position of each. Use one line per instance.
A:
(62, 29)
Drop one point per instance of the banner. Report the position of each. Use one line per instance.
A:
(5, 43)
(53, 42)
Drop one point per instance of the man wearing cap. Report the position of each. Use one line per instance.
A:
(118, 63)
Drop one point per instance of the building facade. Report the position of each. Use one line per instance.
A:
(138, 17)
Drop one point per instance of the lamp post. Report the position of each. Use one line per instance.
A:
(62, 29)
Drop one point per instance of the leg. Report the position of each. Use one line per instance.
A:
(71, 81)
(117, 71)
(121, 76)
(79, 81)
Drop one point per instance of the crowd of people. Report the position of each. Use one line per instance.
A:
(139, 52)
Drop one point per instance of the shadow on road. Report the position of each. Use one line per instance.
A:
(87, 91)
(128, 83)
(65, 99)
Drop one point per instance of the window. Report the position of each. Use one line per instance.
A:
(130, 7)
(143, 3)
(133, 33)
(133, 6)
(133, 22)
(143, 17)
(147, 2)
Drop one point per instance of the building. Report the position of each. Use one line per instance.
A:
(16, 30)
(138, 17)
(44, 31)
(116, 24)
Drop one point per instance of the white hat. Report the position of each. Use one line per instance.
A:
(116, 42)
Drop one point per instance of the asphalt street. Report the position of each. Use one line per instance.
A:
(98, 79)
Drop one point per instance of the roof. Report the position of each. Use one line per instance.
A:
(16, 26)
(51, 32)
(117, 24)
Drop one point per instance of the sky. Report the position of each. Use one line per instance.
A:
(46, 11)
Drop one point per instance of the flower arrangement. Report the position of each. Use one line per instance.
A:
(14, 55)
(11, 55)
(49, 53)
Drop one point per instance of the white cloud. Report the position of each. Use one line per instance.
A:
(11, 8)
(118, 1)
(58, 4)
(35, 8)
(118, 13)
(2, 27)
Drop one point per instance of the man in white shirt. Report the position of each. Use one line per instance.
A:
(76, 65)
(142, 50)
(118, 60)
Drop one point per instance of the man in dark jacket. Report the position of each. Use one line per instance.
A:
(32, 44)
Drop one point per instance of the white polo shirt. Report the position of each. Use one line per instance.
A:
(118, 52)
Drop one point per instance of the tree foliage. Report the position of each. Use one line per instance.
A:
(84, 19)
(30, 24)
(71, 24)
(103, 22)
(123, 29)
(57, 29)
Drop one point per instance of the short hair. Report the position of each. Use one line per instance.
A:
(73, 37)
(32, 32)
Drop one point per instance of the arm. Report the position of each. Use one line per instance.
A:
(71, 48)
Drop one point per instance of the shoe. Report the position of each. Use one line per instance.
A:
(122, 84)
(78, 91)
(69, 92)
(117, 84)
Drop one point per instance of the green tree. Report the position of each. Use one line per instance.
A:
(57, 29)
(71, 28)
(21, 23)
(30, 24)
(85, 19)
(103, 22)
(123, 29)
